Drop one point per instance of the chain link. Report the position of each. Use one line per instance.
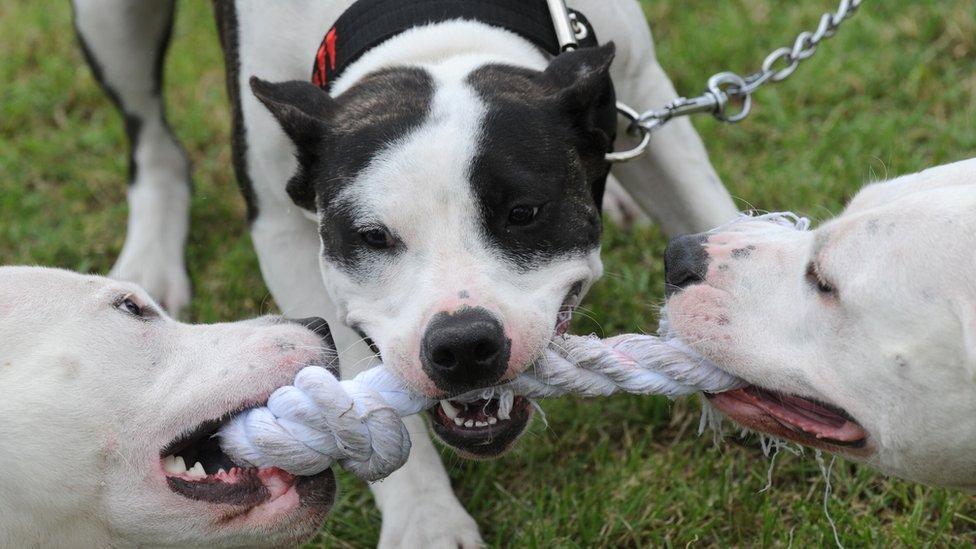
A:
(728, 87)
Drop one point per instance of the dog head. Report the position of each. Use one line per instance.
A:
(457, 211)
(108, 409)
(858, 336)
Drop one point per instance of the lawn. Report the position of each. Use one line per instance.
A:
(893, 93)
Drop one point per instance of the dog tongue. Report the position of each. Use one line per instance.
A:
(805, 415)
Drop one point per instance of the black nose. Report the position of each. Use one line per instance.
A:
(465, 350)
(685, 262)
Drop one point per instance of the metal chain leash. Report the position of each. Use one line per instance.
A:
(725, 87)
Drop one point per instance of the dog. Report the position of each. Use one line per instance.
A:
(859, 338)
(108, 406)
(439, 206)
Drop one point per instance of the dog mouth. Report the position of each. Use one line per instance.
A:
(800, 419)
(196, 468)
(489, 427)
(483, 428)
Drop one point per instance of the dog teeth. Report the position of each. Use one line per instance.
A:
(480, 410)
(505, 402)
(197, 471)
(449, 409)
(221, 471)
(174, 465)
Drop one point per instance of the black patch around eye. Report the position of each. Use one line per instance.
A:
(529, 154)
(380, 109)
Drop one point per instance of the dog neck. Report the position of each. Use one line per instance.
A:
(432, 45)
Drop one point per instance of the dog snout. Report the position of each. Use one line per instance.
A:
(685, 262)
(465, 350)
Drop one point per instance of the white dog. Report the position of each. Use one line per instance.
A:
(860, 336)
(106, 409)
(441, 200)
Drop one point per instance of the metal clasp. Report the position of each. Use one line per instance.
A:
(566, 25)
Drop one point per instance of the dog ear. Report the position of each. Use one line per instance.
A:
(582, 90)
(302, 109)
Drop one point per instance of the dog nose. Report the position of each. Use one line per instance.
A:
(465, 350)
(685, 262)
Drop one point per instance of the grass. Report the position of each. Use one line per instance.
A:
(893, 93)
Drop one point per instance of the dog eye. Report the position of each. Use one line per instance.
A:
(523, 215)
(126, 304)
(378, 238)
(817, 280)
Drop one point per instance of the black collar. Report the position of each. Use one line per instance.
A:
(368, 23)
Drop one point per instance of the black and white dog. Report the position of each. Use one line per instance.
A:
(440, 202)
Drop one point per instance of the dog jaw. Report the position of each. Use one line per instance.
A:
(114, 389)
(262, 355)
(876, 329)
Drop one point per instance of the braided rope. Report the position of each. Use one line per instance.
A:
(319, 421)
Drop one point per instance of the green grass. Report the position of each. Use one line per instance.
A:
(894, 92)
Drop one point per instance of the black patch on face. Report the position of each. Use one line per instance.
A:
(380, 109)
(533, 154)
(336, 139)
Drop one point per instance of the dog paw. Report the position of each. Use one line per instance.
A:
(164, 278)
(429, 523)
(621, 208)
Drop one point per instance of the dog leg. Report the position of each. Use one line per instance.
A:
(125, 42)
(674, 181)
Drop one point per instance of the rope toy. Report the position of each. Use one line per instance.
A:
(318, 421)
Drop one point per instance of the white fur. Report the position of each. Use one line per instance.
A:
(894, 349)
(92, 394)
(674, 182)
